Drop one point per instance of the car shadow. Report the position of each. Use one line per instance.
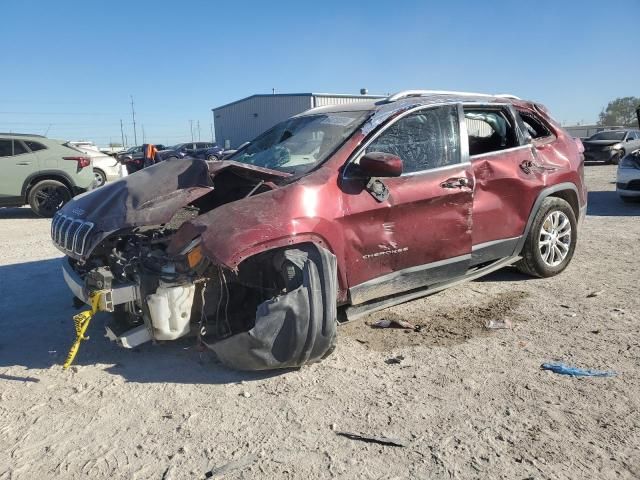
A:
(12, 213)
(37, 330)
(609, 204)
(506, 274)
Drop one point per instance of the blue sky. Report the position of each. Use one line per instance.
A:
(70, 66)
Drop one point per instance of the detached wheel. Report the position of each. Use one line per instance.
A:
(47, 197)
(101, 177)
(551, 240)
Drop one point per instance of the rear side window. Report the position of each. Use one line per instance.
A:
(10, 148)
(6, 148)
(34, 146)
(423, 140)
(535, 127)
(489, 131)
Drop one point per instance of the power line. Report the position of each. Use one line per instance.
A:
(133, 115)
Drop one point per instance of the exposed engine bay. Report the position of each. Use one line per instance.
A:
(275, 310)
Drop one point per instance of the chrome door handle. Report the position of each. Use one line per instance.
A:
(23, 163)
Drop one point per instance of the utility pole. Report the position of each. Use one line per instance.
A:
(198, 130)
(143, 137)
(133, 115)
(124, 145)
(191, 128)
(213, 140)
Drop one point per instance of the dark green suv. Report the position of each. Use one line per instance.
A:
(41, 172)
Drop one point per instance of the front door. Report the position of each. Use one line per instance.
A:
(16, 164)
(420, 234)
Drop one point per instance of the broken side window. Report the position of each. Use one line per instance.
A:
(489, 130)
(423, 140)
(535, 127)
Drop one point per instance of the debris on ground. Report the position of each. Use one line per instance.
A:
(563, 305)
(498, 324)
(595, 294)
(393, 323)
(619, 310)
(392, 442)
(394, 360)
(246, 394)
(234, 465)
(562, 369)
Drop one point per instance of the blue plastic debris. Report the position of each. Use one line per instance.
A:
(563, 369)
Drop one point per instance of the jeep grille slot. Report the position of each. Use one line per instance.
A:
(70, 234)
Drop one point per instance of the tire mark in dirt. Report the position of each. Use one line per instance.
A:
(442, 328)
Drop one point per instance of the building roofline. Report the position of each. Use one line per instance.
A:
(10, 134)
(341, 95)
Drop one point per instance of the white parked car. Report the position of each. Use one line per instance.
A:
(105, 167)
(628, 181)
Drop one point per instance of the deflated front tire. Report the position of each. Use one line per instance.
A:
(294, 328)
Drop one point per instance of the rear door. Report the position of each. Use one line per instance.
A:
(506, 185)
(17, 163)
(420, 234)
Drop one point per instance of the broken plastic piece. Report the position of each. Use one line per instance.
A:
(393, 323)
(498, 324)
(562, 369)
(392, 442)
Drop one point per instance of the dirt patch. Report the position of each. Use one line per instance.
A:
(440, 328)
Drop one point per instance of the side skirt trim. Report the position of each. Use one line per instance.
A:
(355, 312)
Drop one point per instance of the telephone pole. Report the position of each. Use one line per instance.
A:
(198, 130)
(133, 116)
(122, 135)
(191, 128)
(143, 136)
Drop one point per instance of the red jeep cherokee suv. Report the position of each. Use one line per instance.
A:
(354, 207)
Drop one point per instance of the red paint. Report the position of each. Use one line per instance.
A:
(421, 222)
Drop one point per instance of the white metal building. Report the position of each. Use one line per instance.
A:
(245, 119)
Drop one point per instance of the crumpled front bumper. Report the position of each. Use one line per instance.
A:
(116, 295)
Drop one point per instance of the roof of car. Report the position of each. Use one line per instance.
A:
(409, 98)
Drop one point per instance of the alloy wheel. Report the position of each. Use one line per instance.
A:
(49, 199)
(554, 240)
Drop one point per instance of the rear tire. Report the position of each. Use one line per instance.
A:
(101, 177)
(47, 197)
(551, 240)
(213, 158)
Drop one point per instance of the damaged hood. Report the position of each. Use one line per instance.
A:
(148, 197)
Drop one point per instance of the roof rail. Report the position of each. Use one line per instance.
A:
(422, 93)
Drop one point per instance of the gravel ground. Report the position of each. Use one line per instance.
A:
(465, 402)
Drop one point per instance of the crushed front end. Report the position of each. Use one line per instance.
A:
(276, 309)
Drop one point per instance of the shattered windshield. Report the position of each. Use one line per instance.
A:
(300, 143)
(608, 136)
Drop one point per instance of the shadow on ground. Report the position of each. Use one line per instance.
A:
(609, 204)
(16, 212)
(37, 330)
